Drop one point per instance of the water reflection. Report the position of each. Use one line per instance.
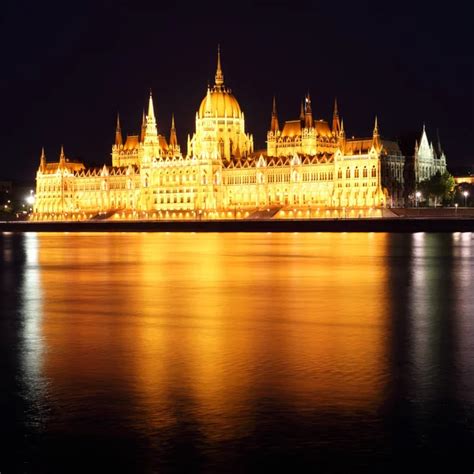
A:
(426, 415)
(31, 315)
(197, 349)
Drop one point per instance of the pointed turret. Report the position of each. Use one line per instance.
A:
(118, 132)
(424, 143)
(143, 129)
(151, 111)
(42, 160)
(208, 108)
(302, 112)
(274, 126)
(342, 137)
(219, 73)
(151, 130)
(308, 113)
(173, 136)
(375, 135)
(62, 158)
(336, 125)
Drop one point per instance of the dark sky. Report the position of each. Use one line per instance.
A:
(67, 68)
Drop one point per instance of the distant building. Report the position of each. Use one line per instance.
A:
(464, 179)
(308, 167)
(428, 160)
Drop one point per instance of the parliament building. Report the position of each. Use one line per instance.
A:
(309, 169)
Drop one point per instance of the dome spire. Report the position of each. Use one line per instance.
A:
(219, 73)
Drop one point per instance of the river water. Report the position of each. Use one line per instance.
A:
(153, 352)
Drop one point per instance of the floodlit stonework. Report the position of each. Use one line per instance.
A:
(309, 169)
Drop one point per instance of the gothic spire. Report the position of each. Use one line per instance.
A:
(118, 132)
(274, 126)
(42, 160)
(62, 157)
(173, 137)
(151, 130)
(219, 73)
(208, 108)
(336, 125)
(151, 110)
(342, 136)
(143, 131)
(376, 127)
(376, 135)
(308, 114)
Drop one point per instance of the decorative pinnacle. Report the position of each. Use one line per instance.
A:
(151, 111)
(219, 73)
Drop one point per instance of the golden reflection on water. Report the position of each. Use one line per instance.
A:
(204, 326)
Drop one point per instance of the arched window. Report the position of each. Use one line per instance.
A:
(339, 174)
(356, 172)
(348, 172)
(374, 172)
(364, 172)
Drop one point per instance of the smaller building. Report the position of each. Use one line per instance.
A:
(428, 160)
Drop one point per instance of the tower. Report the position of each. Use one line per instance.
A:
(151, 143)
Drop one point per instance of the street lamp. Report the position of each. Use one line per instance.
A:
(465, 194)
(418, 196)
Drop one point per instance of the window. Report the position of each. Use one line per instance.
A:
(348, 172)
(374, 172)
(356, 172)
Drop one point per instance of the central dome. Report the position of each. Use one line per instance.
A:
(219, 100)
(222, 104)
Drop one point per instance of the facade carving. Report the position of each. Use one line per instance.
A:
(308, 169)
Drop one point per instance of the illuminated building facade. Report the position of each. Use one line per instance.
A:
(428, 160)
(309, 169)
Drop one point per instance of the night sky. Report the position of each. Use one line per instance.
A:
(67, 69)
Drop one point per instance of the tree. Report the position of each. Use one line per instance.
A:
(439, 187)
